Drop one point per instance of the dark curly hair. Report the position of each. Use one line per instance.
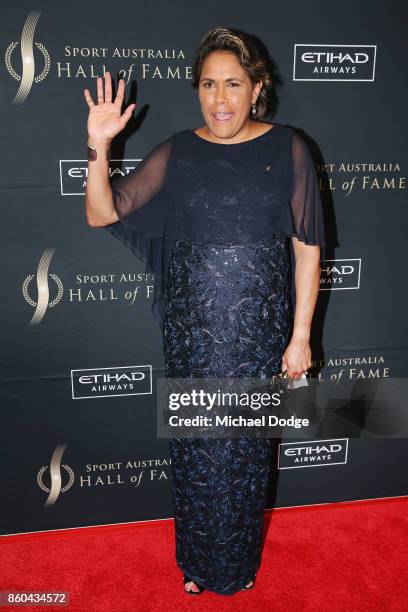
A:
(248, 53)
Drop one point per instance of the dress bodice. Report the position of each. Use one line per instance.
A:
(189, 188)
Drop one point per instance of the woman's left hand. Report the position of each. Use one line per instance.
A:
(297, 358)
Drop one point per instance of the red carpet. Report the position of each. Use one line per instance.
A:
(347, 557)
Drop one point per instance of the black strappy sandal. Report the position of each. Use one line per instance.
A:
(188, 579)
(248, 588)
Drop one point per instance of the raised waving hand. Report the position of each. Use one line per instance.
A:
(105, 120)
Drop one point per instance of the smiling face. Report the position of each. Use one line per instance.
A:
(226, 93)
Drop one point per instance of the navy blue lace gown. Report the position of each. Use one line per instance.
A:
(213, 222)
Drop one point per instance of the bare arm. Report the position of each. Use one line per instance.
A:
(99, 209)
(307, 282)
(297, 357)
(104, 123)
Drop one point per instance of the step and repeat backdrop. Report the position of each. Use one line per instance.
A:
(79, 444)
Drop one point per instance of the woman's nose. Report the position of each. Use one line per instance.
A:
(221, 95)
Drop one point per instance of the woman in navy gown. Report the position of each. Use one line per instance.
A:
(211, 212)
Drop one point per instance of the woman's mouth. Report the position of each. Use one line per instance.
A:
(222, 116)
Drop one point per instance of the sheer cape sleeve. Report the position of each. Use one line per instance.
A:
(304, 216)
(143, 201)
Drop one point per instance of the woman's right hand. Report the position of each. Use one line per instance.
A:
(105, 120)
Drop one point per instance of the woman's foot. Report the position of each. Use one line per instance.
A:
(191, 587)
(194, 589)
(250, 584)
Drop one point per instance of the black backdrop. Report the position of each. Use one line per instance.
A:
(76, 453)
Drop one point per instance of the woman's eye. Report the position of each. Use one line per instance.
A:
(210, 84)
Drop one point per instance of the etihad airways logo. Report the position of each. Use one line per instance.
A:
(55, 487)
(28, 66)
(111, 382)
(340, 274)
(312, 453)
(334, 62)
(74, 173)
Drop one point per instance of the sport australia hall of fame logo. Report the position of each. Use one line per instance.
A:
(54, 476)
(26, 75)
(43, 290)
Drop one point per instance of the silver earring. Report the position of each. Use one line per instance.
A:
(253, 110)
